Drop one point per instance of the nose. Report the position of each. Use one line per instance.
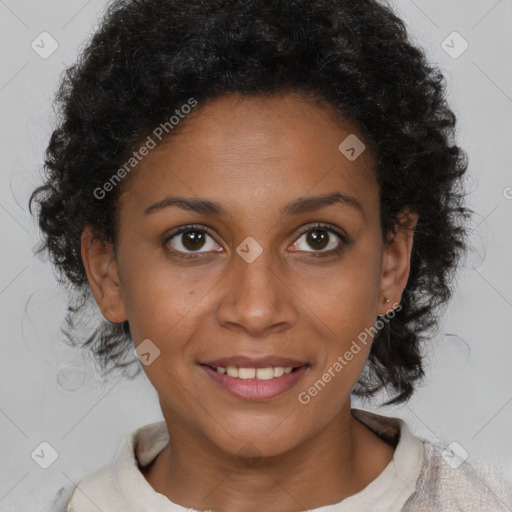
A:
(256, 298)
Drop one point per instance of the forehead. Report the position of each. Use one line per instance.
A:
(258, 152)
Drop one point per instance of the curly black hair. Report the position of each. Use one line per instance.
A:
(148, 57)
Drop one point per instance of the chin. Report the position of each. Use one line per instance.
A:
(254, 443)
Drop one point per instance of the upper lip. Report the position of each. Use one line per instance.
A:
(254, 362)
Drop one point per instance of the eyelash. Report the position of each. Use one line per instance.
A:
(322, 226)
(315, 254)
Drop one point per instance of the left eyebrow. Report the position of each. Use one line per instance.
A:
(307, 204)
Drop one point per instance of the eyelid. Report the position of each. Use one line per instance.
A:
(188, 227)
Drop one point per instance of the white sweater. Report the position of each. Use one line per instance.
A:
(418, 478)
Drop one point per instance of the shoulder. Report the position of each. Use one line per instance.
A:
(449, 482)
(98, 490)
(119, 484)
(438, 478)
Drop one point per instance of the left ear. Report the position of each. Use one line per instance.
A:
(396, 261)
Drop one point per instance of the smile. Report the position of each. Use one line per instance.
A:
(268, 373)
(255, 383)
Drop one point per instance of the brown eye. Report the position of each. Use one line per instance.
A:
(189, 240)
(193, 240)
(318, 239)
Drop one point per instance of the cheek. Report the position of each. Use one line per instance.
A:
(159, 295)
(345, 296)
(164, 314)
(342, 307)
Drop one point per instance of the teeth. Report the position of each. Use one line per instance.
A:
(254, 373)
(232, 371)
(278, 371)
(246, 373)
(265, 373)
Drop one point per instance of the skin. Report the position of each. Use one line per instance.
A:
(253, 155)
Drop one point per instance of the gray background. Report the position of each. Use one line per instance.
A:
(48, 392)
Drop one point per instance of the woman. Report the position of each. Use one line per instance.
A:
(264, 199)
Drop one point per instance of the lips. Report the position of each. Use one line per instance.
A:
(255, 389)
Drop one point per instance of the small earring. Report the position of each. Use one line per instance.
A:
(386, 300)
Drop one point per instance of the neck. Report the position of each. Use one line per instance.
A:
(337, 462)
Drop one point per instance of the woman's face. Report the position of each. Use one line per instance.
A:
(253, 276)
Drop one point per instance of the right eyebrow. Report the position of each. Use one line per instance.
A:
(204, 206)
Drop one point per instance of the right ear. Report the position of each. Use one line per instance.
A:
(102, 273)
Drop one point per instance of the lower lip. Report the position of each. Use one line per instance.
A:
(254, 389)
